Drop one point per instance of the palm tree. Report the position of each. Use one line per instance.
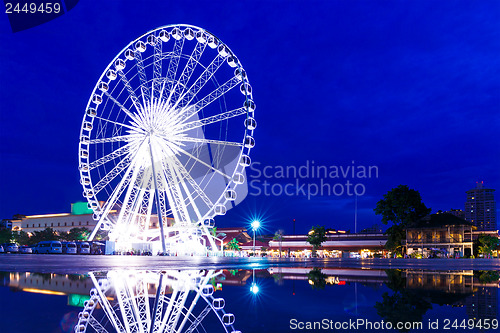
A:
(278, 235)
(233, 245)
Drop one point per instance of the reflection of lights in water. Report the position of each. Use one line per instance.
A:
(355, 303)
(43, 291)
(254, 288)
(146, 301)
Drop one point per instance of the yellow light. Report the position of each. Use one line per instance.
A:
(47, 215)
(41, 291)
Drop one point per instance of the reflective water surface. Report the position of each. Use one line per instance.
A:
(276, 299)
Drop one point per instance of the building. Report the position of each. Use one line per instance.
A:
(483, 303)
(480, 208)
(443, 235)
(338, 244)
(455, 212)
(80, 216)
(6, 224)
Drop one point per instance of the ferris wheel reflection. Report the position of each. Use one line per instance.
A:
(154, 301)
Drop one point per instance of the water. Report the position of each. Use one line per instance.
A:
(275, 298)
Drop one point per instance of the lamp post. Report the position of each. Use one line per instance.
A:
(255, 226)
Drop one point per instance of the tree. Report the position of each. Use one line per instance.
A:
(5, 236)
(403, 305)
(101, 235)
(22, 238)
(487, 276)
(317, 235)
(402, 206)
(47, 234)
(278, 235)
(485, 244)
(76, 234)
(317, 279)
(233, 245)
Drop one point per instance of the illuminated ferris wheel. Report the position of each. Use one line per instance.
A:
(146, 301)
(166, 138)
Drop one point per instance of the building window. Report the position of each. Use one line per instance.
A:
(58, 224)
(64, 223)
(80, 223)
(87, 222)
(45, 224)
(52, 224)
(72, 224)
(38, 225)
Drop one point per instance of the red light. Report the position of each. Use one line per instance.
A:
(341, 283)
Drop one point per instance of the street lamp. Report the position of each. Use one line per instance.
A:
(255, 226)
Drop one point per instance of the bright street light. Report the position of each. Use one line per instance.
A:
(255, 225)
(254, 288)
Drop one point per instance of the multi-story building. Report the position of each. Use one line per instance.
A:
(455, 212)
(480, 208)
(79, 217)
(483, 303)
(443, 235)
(6, 224)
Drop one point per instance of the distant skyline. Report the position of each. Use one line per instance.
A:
(409, 88)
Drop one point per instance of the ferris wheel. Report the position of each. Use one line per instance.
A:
(166, 138)
(147, 301)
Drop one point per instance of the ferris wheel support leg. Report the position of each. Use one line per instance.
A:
(94, 232)
(210, 239)
(158, 205)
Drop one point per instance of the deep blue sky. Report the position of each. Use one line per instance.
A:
(412, 87)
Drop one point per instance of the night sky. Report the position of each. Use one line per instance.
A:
(411, 88)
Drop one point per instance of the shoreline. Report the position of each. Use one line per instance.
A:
(82, 264)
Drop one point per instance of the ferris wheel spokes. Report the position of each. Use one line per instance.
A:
(212, 168)
(139, 48)
(108, 178)
(157, 66)
(126, 83)
(123, 108)
(119, 138)
(186, 98)
(177, 90)
(186, 176)
(173, 64)
(117, 123)
(111, 156)
(183, 127)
